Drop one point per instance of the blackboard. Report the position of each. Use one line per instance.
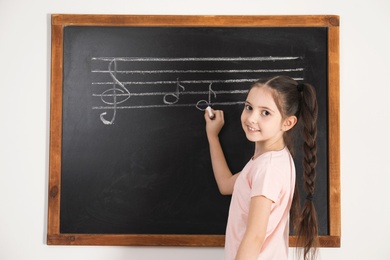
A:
(134, 157)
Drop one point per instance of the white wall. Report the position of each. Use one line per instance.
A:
(24, 122)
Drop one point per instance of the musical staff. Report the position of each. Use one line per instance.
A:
(138, 83)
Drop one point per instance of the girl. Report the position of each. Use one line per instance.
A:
(263, 192)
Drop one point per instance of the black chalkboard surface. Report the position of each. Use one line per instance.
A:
(134, 154)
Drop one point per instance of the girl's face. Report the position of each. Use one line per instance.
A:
(262, 120)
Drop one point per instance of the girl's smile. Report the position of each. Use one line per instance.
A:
(251, 129)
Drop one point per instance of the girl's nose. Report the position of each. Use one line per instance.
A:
(253, 118)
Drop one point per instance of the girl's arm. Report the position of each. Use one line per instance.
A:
(223, 176)
(251, 244)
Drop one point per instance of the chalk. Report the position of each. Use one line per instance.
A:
(211, 115)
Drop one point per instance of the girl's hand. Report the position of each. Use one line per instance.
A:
(214, 126)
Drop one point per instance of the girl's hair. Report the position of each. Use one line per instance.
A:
(293, 99)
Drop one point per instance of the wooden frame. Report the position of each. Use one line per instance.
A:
(54, 237)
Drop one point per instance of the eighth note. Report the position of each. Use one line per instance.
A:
(206, 102)
(176, 94)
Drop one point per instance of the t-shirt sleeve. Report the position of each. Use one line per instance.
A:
(265, 181)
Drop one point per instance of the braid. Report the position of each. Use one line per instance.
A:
(306, 225)
(309, 119)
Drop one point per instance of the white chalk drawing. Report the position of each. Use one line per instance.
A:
(175, 95)
(206, 102)
(118, 90)
(124, 92)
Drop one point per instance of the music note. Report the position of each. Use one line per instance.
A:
(206, 102)
(124, 94)
(175, 95)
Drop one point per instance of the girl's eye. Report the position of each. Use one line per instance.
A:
(265, 113)
(248, 107)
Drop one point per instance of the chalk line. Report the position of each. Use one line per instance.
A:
(198, 71)
(145, 59)
(173, 105)
(182, 82)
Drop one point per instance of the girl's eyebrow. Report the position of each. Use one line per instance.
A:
(262, 107)
(267, 108)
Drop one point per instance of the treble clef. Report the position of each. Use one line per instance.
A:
(175, 95)
(206, 102)
(119, 95)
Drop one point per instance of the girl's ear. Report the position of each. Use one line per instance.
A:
(289, 123)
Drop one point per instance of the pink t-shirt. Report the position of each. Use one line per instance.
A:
(271, 175)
